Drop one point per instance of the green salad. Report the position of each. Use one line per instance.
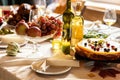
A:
(95, 34)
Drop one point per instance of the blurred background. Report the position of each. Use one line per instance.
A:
(13, 2)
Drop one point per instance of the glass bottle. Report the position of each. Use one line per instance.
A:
(77, 24)
(66, 33)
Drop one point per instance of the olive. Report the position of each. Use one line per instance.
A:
(5, 30)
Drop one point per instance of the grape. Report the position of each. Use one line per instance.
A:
(59, 22)
(43, 34)
(53, 21)
(44, 31)
(1, 20)
(52, 26)
(52, 18)
(58, 33)
(52, 31)
(43, 20)
(43, 27)
(49, 25)
(31, 24)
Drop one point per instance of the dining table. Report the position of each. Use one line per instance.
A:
(19, 67)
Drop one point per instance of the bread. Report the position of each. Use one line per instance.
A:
(98, 49)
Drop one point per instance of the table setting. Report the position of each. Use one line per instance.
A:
(17, 65)
(34, 57)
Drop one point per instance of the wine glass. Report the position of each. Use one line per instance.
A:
(36, 40)
(41, 5)
(110, 17)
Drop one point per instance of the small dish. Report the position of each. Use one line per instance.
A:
(50, 70)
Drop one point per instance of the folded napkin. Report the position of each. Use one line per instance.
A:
(17, 62)
(62, 62)
(43, 64)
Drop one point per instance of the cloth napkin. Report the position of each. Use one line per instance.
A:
(17, 62)
(43, 64)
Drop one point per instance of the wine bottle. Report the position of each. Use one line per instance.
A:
(66, 33)
(77, 26)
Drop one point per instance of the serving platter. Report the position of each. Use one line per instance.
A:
(6, 39)
(98, 50)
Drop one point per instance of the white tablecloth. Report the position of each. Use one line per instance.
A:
(20, 69)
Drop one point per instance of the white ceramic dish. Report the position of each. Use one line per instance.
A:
(50, 70)
(21, 40)
(5, 39)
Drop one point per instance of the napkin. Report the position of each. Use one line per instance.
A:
(43, 64)
(17, 62)
(62, 62)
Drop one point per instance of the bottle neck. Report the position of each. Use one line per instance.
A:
(78, 9)
(68, 6)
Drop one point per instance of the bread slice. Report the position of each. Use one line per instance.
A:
(98, 49)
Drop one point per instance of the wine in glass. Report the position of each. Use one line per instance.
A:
(110, 17)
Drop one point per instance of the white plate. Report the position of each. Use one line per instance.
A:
(2, 46)
(5, 39)
(51, 70)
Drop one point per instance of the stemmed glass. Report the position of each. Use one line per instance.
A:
(35, 40)
(110, 17)
(41, 4)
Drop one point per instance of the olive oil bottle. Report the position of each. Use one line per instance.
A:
(66, 33)
(77, 24)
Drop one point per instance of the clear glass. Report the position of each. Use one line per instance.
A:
(110, 17)
(41, 4)
(35, 41)
(56, 42)
(33, 15)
